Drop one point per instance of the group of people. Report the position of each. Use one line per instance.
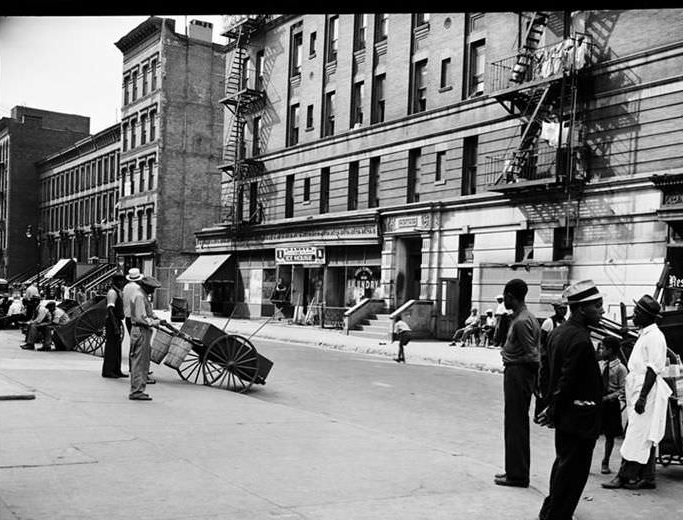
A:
(488, 330)
(558, 363)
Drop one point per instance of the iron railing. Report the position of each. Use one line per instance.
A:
(540, 163)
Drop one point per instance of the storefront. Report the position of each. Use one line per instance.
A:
(208, 284)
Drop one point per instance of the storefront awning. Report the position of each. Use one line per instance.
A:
(202, 268)
(61, 264)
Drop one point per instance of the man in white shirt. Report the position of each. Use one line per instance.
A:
(42, 324)
(142, 320)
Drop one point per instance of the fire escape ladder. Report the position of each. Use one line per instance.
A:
(531, 41)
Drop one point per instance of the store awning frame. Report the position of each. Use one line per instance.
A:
(203, 267)
(61, 264)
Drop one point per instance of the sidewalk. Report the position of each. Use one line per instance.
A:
(419, 351)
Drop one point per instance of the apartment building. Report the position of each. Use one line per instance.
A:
(171, 141)
(28, 135)
(422, 160)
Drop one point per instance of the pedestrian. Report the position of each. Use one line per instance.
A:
(574, 400)
(80, 296)
(550, 323)
(280, 298)
(129, 291)
(471, 327)
(402, 333)
(613, 399)
(647, 396)
(520, 360)
(31, 300)
(142, 320)
(41, 325)
(111, 365)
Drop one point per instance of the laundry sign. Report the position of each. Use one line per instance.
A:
(299, 255)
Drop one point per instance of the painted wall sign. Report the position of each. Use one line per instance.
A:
(299, 255)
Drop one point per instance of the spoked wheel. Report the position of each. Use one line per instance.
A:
(191, 368)
(231, 362)
(89, 334)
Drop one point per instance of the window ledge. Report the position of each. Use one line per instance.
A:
(309, 128)
(311, 56)
(446, 88)
(440, 183)
(306, 203)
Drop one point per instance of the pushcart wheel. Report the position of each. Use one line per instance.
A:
(191, 368)
(89, 338)
(231, 362)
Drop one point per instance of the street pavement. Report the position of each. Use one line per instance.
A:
(82, 450)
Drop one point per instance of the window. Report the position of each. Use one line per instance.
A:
(293, 134)
(309, 116)
(377, 115)
(130, 226)
(563, 243)
(328, 116)
(142, 177)
(122, 228)
(307, 189)
(150, 169)
(87, 176)
(352, 195)
(373, 183)
(381, 26)
(135, 85)
(445, 73)
(239, 207)
(244, 73)
(325, 190)
(475, 22)
(99, 172)
(421, 19)
(144, 79)
(357, 95)
(153, 74)
(413, 184)
(419, 87)
(332, 38)
(131, 171)
(143, 128)
(105, 174)
(524, 245)
(256, 135)
(466, 248)
(476, 68)
(133, 124)
(140, 224)
(112, 169)
(149, 213)
(110, 209)
(297, 39)
(124, 134)
(124, 172)
(152, 125)
(126, 90)
(253, 203)
(440, 165)
(311, 44)
(289, 196)
(260, 62)
(469, 165)
(360, 26)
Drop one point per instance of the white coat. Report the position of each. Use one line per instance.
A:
(646, 429)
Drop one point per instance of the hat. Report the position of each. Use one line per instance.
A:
(134, 275)
(149, 281)
(649, 305)
(581, 292)
(489, 311)
(500, 297)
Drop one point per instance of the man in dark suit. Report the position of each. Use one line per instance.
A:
(574, 400)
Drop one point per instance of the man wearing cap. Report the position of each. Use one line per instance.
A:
(142, 320)
(520, 359)
(574, 396)
(111, 365)
(647, 395)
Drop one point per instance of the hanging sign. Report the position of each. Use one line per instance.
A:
(299, 255)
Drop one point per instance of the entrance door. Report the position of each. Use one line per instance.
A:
(449, 291)
(465, 296)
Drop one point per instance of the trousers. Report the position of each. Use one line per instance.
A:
(140, 338)
(518, 385)
(632, 470)
(568, 476)
(111, 365)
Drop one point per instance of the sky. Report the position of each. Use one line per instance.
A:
(70, 64)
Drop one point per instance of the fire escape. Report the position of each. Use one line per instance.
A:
(244, 95)
(541, 85)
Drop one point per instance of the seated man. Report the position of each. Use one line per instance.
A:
(489, 326)
(15, 313)
(471, 326)
(59, 318)
(41, 325)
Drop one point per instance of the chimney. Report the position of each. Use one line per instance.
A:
(199, 30)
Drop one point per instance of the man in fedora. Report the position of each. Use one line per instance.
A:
(574, 396)
(647, 396)
(129, 291)
(142, 320)
(520, 359)
(111, 365)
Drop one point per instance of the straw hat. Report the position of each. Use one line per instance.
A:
(134, 275)
(581, 292)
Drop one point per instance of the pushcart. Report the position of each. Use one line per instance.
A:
(202, 353)
(84, 332)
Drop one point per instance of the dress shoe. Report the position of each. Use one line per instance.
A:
(605, 469)
(397, 360)
(615, 483)
(26, 346)
(150, 381)
(512, 483)
(640, 484)
(44, 349)
(140, 397)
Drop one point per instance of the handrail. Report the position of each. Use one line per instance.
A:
(360, 304)
(407, 305)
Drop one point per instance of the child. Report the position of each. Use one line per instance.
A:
(614, 381)
(402, 332)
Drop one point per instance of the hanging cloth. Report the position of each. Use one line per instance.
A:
(550, 132)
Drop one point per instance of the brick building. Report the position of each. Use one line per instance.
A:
(78, 199)
(28, 135)
(171, 137)
(421, 161)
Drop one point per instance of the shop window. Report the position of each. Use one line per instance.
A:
(352, 195)
(524, 245)
(466, 248)
(414, 167)
(563, 243)
(469, 165)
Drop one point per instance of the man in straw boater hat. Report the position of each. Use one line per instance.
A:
(574, 396)
(142, 320)
(647, 396)
(111, 365)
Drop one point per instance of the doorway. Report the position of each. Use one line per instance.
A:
(407, 280)
(449, 291)
(464, 296)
